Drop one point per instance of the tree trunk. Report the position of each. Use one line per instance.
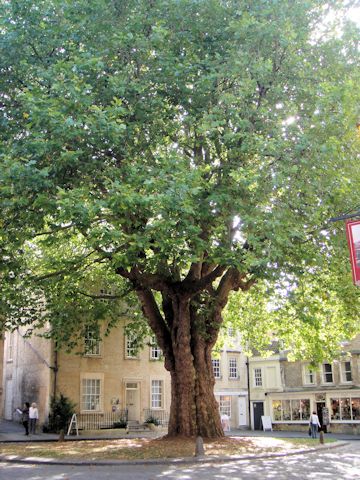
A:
(186, 329)
(194, 410)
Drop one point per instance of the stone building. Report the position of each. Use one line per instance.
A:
(231, 387)
(332, 389)
(1, 375)
(109, 376)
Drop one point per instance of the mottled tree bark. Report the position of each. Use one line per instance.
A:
(186, 327)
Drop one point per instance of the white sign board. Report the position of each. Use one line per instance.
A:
(266, 423)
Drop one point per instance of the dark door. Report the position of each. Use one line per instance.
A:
(319, 410)
(258, 409)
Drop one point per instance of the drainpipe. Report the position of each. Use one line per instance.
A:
(55, 369)
(248, 387)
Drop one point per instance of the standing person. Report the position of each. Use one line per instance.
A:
(33, 417)
(25, 417)
(314, 424)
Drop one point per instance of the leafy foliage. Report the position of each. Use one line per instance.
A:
(61, 411)
(141, 146)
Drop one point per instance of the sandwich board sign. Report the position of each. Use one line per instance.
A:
(266, 423)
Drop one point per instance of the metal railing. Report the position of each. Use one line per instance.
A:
(161, 416)
(97, 421)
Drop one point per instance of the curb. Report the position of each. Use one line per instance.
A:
(164, 461)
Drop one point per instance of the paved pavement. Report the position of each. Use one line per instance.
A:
(335, 464)
(12, 431)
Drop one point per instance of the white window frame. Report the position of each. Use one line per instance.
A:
(324, 373)
(308, 372)
(92, 385)
(92, 344)
(225, 405)
(130, 350)
(155, 350)
(233, 368)
(216, 366)
(157, 397)
(344, 371)
(10, 347)
(258, 377)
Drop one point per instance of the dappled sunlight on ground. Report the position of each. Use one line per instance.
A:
(142, 448)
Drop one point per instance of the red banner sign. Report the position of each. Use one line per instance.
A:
(353, 237)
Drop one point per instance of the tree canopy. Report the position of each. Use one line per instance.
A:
(179, 150)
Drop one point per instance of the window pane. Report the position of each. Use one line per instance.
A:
(286, 410)
(216, 367)
(225, 405)
(334, 409)
(345, 412)
(309, 375)
(327, 369)
(276, 406)
(305, 409)
(295, 409)
(90, 394)
(156, 393)
(355, 404)
(233, 373)
(131, 347)
(258, 377)
(91, 341)
(346, 371)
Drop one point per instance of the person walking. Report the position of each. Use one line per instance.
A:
(314, 424)
(25, 417)
(33, 417)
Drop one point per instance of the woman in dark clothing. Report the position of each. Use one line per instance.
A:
(25, 417)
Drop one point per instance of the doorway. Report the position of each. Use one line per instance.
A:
(242, 407)
(133, 401)
(319, 410)
(258, 412)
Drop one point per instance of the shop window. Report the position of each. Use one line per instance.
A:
(291, 410)
(277, 410)
(286, 410)
(334, 409)
(355, 407)
(295, 410)
(345, 409)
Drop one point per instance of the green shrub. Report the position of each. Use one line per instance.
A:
(153, 420)
(121, 423)
(61, 411)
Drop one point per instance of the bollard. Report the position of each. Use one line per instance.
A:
(321, 437)
(199, 447)
(61, 436)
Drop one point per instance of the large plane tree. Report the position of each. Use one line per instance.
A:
(174, 151)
